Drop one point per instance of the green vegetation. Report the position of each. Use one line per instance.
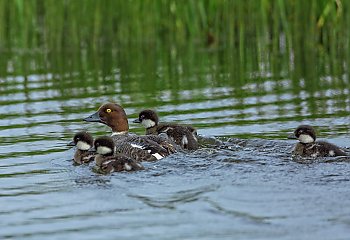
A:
(266, 36)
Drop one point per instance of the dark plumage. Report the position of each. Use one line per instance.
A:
(309, 147)
(184, 136)
(108, 160)
(83, 141)
(140, 148)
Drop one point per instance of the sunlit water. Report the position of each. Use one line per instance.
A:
(241, 185)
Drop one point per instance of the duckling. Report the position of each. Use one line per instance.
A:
(141, 148)
(109, 161)
(83, 141)
(309, 147)
(184, 136)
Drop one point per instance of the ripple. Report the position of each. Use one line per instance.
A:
(177, 198)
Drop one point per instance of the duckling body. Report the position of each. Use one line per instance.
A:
(309, 147)
(108, 160)
(184, 136)
(83, 141)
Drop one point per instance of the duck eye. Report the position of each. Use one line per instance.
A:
(108, 110)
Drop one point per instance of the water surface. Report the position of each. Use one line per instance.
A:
(245, 187)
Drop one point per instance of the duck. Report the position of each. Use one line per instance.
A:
(140, 148)
(184, 136)
(108, 160)
(309, 147)
(84, 142)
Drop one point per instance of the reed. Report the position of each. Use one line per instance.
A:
(276, 32)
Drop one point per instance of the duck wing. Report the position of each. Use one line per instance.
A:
(140, 152)
(120, 163)
(181, 135)
(329, 149)
(164, 141)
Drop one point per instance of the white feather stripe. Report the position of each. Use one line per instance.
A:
(83, 146)
(195, 137)
(157, 155)
(107, 162)
(167, 129)
(136, 146)
(139, 165)
(118, 133)
(103, 150)
(184, 140)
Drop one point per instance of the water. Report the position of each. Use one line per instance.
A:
(246, 187)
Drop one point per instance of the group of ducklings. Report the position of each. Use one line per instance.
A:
(124, 151)
(110, 157)
(103, 151)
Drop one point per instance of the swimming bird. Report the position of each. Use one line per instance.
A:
(184, 136)
(108, 160)
(309, 147)
(140, 148)
(83, 141)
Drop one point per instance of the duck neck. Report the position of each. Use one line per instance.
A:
(151, 130)
(120, 126)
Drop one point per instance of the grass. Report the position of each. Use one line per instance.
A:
(298, 32)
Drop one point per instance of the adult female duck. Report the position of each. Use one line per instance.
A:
(140, 148)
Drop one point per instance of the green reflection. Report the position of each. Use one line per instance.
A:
(210, 63)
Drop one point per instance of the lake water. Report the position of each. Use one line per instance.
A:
(246, 187)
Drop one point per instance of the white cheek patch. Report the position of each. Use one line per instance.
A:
(147, 123)
(127, 167)
(331, 153)
(103, 150)
(83, 146)
(305, 138)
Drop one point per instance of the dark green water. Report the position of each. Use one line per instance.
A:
(243, 189)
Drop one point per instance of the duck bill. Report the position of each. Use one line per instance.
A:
(93, 118)
(292, 136)
(71, 144)
(136, 121)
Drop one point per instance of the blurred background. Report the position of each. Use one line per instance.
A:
(238, 68)
(250, 69)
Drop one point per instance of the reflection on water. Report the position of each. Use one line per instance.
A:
(180, 197)
(242, 183)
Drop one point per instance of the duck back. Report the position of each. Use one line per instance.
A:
(119, 163)
(318, 149)
(81, 156)
(184, 136)
(140, 148)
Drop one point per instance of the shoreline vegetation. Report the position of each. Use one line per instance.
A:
(267, 35)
